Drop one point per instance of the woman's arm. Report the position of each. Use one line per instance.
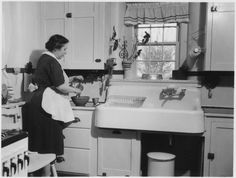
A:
(64, 88)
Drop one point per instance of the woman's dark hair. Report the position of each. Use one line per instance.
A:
(56, 42)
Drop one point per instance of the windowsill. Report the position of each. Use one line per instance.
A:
(191, 82)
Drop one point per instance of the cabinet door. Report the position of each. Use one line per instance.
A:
(84, 29)
(222, 147)
(54, 9)
(77, 138)
(54, 21)
(81, 46)
(86, 36)
(117, 153)
(220, 37)
(82, 9)
(76, 161)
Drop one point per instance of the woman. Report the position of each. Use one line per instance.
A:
(45, 132)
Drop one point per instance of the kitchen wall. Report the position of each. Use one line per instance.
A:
(22, 42)
(21, 32)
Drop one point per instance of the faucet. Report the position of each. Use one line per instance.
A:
(171, 93)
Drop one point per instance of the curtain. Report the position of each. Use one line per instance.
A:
(146, 13)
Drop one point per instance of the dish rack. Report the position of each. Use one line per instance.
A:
(125, 101)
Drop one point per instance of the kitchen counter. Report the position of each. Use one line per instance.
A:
(218, 112)
(12, 105)
(88, 107)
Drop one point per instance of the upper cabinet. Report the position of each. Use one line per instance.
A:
(83, 23)
(220, 37)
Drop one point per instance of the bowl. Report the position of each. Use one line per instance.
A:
(80, 100)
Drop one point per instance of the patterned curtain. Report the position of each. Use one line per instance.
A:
(146, 13)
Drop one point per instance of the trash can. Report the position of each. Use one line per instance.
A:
(161, 164)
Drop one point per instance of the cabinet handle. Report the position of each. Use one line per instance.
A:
(98, 60)
(76, 120)
(116, 132)
(211, 156)
(68, 15)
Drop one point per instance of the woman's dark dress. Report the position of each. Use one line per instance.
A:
(45, 134)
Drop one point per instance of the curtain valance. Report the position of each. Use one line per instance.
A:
(146, 13)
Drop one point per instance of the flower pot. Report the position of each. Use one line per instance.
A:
(126, 65)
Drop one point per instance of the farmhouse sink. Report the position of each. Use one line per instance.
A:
(152, 111)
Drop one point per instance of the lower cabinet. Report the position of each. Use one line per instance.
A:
(118, 153)
(218, 156)
(80, 144)
(76, 161)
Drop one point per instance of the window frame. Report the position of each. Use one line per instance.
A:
(176, 44)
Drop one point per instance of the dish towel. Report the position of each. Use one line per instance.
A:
(57, 105)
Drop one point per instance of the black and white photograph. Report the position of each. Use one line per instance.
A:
(117, 88)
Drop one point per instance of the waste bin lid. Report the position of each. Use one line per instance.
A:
(161, 156)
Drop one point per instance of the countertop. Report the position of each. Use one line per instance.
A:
(218, 112)
(88, 107)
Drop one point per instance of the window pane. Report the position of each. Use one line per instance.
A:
(155, 52)
(169, 34)
(169, 52)
(141, 33)
(156, 34)
(167, 69)
(164, 68)
(144, 53)
(150, 53)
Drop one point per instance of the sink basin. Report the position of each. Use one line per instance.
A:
(155, 114)
(167, 120)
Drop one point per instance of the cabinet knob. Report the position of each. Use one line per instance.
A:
(211, 156)
(98, 60)
(68, 15)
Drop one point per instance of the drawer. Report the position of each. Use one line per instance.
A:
(76, 161)
(77, 138)
(85, 119)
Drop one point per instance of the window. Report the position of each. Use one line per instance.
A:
(158, 55)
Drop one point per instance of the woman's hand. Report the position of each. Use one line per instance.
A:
(77, 91)
(78, 78)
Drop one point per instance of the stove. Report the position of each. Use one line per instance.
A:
(11, 136)
(14, 150)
